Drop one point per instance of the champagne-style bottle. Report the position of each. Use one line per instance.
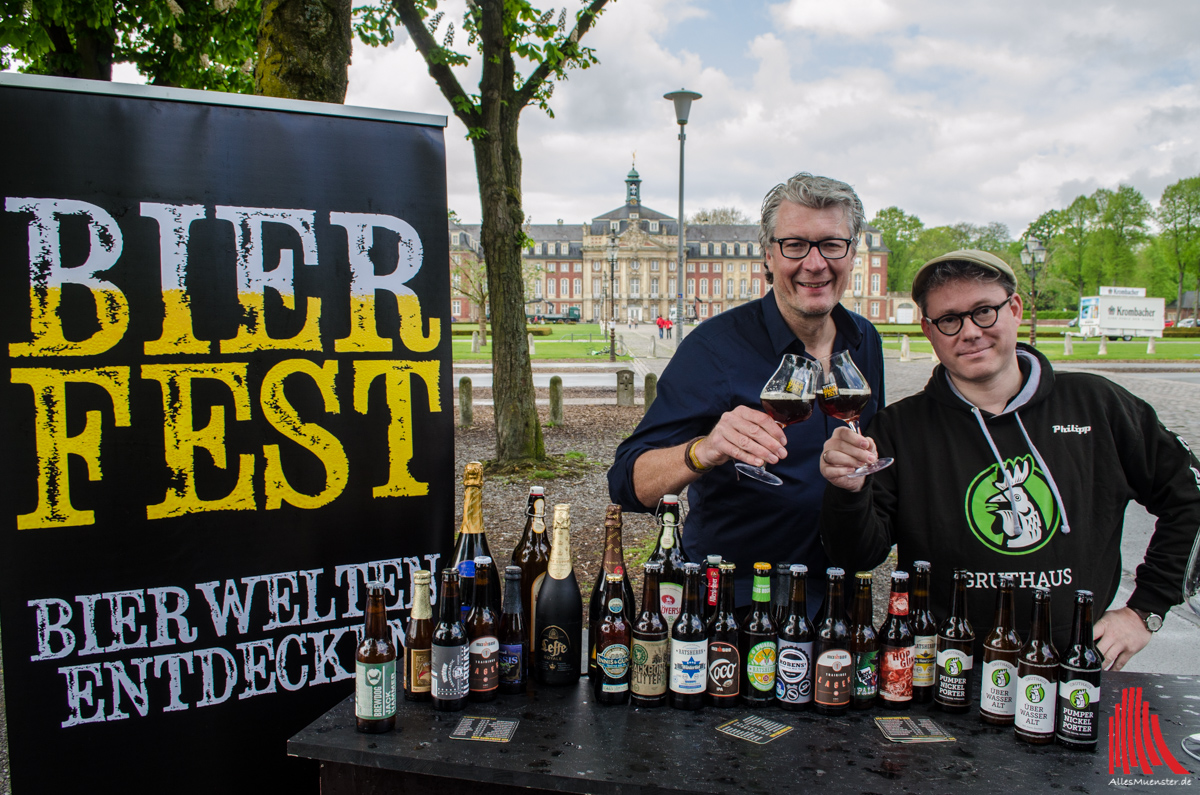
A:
(613, 639)
(831, 649)
(1037, 677)
(450, 655)
(998, 684)
(669, 552)
(559, 613)
(483, 628)
(612, 563)
(650, 645)
(896, 648)
(418, 640)
(375, 668)
(864, 645)
(955, 652)
(794, 671)
(1079, 674)
(472, 543)
(689, 647)
(514, 639)
(532, 555)
(724, 657)
(924, 629)
(757, 639)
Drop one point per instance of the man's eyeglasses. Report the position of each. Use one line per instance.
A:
(981, 316)
(798, 247)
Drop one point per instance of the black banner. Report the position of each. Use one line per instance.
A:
(226, 405)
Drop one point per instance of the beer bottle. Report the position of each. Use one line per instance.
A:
(450, 655)
(613, 638)
(780, 592)
(1037, 677)
(669, 552)
(757, 639)
(689, 647)
(1079, 682)
(418, 637)
(896, 641)
(712, 589)
(997, 687)
(831, 649)
(955, 652)
(514, 661)
(483, 626)
(559, 613)
(650, 645)
(724, 658)
(532, 555)
(924, 629)
(472, 543)
(793, 679)
(612, 563)
(864, 645)
(375, 668)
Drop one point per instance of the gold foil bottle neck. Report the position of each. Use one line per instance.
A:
(612, 516)
(562, 516)
(421, 607)
(473, 474)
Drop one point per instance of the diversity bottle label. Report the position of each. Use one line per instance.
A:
(511, 670)
(866, 674)
(689, 663)
(793, 672)
(1036, 697)
(1078, 708)
(723, 663)
(833, 678)
(953, 667)
(896, 673)
(375, 690)
(670, 601)
(450, 665)
(417, 670)
(997, 694)
(614, 662)
(760, 666)
(924, 660)
(649, 677)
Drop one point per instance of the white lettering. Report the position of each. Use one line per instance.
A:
(79, 694)
(163, 616)
(135, 690)
(232, 603)
(47, 627)
(175, 684)
(122, 620)
(256, 666)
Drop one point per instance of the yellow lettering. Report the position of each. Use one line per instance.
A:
(182, 438)
(397, 379)
(54, 507)
(320, 442)
(174, 229)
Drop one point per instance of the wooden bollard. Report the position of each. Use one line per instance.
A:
(475, 341)
(531, 348)
(625, 387)
(651, 391)
(1068, 349)
(556, 401)
(905, 350)
(466, 404)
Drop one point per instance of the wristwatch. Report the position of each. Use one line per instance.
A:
(1153, 621)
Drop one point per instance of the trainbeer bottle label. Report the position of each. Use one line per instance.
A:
(723, 663)
(449, 672)
(952, 672)
(375, 690)
(760, 665)
(649, 677)
(554, 649)
(998, 691)
(896, 673)
(485, 664)
(834, 671)
(866, 676)
(510, 664)
(689, 666)
(793, 672)
(1036, 696)
(670, 601)
(614, 662)
(417, 671)
(1078, 706)
(924, 660)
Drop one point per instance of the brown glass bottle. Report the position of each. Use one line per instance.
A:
(924, 630)
(514, 643)
(669, 552)
(724, 657)
(375, 668)
(998, 682)
(1037, 677)
(712, 589)
(650, 653)
(794, 667)
(559, 613)
(613, 639)
(689, 647)
(612, 563)
(1078, 720)
(896, 648)
(472, 543)
(955, 652)
(483, 627)
(833, 679)
(758, 641)
(418, 638)
(450, 655)
(864, 645)
(780, 593)
(532, 555)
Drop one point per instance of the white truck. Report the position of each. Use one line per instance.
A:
(1121, 316)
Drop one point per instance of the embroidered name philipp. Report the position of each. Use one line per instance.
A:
(1080, 429)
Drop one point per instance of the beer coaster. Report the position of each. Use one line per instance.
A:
(912, 730)
(757, 730)
(487, 730)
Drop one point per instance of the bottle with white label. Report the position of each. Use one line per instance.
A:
(1037, 677)
(998, 688)
(955, 652)
(689, 646)
(483, 628)
(833, 665)
(794, 668)
(924, 630)
(669, 552)
(375, 668)
(1078, 720)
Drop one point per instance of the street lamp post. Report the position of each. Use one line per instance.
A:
(683, 106)
(1033, 257)
(612, 279)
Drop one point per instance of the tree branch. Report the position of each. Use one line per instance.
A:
(441, 73)
(543, 71)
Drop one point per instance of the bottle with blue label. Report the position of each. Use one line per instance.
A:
(1078, 720)
(689, 646)
(514, 643)
(613, 640)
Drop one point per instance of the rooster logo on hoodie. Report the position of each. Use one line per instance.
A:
(1011, 508)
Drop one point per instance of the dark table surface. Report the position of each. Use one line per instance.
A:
(567, 743)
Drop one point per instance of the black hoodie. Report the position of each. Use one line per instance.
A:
(1075, 449)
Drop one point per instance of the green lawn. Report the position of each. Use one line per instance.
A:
(544, 347)
(1165, 350)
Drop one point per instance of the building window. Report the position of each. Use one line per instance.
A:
(757, 287)
(579, 267)
(615, 226)
(874, 284)
(704, 249)
(634, 264)
(454, 242)
(874, 309)
(876, 261)
(858, 282)
(742, 288)
(653, 264)
(716, 308)
(743, 267)
(654, 226)
(564, 288)
(635, 287)
(716, 267)
(691, 267)
(550, 285)
(550, 267)
(704, 287)
(537, 289)
(551, 248)
(858, 262)
(654, 286)
(578, 288)
(745, 249)
(595, 266)
(456, 308)
(704, 267)
(716, 290)
(671, 266)
(858, 307)
(597, 286)
(691, 287)
(671, 286)
(729, 288)
(703, 309)
(756, 267)
(537, 248)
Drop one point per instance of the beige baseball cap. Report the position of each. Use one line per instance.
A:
(983, 259)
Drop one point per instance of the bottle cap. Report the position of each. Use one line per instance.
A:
(537, 491)
(727, 565)
(899, 575)
(512, 571)
(653, 566)
(798, 568)
(691, 568)
(762, 568)
(375, 588)
(783, 568)
(670, 498)
(714, 560)
(834, 571)
(922, 565)
(1083, 594)
(421, 577)
(612, 577)
(863, 575)
(483, 560)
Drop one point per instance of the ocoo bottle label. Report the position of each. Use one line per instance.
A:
(723, 664)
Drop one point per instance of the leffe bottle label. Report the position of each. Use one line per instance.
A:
(866, 674)
(1036, 696)
(997, 696)
(924, 660)
(833, 679)
(724, 660)
(896, 673)
(417, 671)
(554, 647)
(511, 670)
(614, 662)
(793, 673)
(1078, 708)
(670, 601)
(760, 666)
(953, 670)
(649, 668)
(689, 665)
(450, 671)
(375, 690)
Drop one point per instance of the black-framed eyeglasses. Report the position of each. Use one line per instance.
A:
(981, 316)
(798, 247)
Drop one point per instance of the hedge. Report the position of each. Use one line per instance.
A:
(537, 331)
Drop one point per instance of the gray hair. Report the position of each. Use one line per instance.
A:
(953, 270)
(816, 193)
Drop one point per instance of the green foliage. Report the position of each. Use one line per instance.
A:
(900, 234)
(1179, 242)
(199, 44)
(719, 215)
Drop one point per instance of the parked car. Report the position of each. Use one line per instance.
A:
(1187, 322)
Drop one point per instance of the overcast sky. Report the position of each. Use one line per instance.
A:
(952, 110)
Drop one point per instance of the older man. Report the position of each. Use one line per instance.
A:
(1005, 467)
(707, 414)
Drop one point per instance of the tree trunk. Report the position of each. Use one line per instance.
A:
(304, 50)
(481, 313)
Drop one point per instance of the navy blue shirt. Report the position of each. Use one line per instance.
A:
(724, 363)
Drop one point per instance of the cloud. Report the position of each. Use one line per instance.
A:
(845, 17)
